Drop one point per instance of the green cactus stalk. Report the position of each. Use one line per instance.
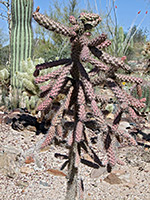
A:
(120, 38)
(21, 36)
(4, 85)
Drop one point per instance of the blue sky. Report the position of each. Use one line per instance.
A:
(126, 11)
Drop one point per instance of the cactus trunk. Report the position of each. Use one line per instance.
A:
(21, 36)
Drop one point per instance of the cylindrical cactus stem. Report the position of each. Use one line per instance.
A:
(108, 59)
(101, 98)
(79, 131)
(128, 78)
(72, 173)
(98, 64)
(46, 88)
(139, 90)
(81, 104)
(135, 117)
(52, 25)
(55, 89)
(50, 65)
(21, 36)
(109, 149)
(104, 44)
(98, 80)
(118, 92)
(98, 40)
(49, 76)
(49, 137)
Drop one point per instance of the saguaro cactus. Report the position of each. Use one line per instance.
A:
(21, 35)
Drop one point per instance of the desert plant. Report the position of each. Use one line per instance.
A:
(77, 84)
(146, 50)
(4, 84)
(21, 36)
(133, 39)
(30, 90)
(143, 92)
(50, 44)
(146, 54)
(20, 44)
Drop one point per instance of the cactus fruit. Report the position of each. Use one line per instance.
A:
(80, 98)
(21, 36)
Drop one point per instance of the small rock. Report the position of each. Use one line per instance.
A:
(22, 183)
(118, 172)
(147, 168)
(38, 164)
(44, 183)
(26, 170)
(95, 173)
(145, 156)
(147, 143)
(45, 148)
(110, 116)
(125, 177)
(88, 198)
(123, 125)
(31, 128)
(146, 131)
(113, 179)
(56, 172)
(129, 185)
(29, 159)
(148, 124)
(146, 149)
(8, 164)
(140, 136)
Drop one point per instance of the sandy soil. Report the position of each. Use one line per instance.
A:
(28, 174)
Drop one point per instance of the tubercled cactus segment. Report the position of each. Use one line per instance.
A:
(78, 86)
(21, 36)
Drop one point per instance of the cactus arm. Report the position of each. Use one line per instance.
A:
(98, 40)
(130, 79)
(108, 59)
(52, 25)
(104, 44)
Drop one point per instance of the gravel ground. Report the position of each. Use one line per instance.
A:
(28, 174)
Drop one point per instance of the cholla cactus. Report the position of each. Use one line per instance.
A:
(143, 92)
(77, 84)
(146, 54)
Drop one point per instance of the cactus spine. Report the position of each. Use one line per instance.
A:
(21, 36)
